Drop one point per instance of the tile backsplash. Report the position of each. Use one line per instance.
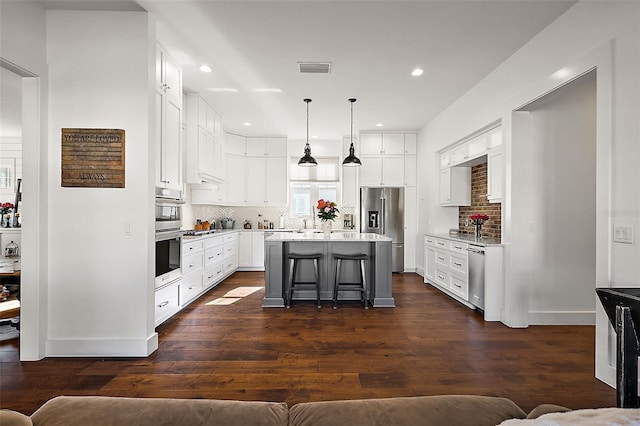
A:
(479, 204)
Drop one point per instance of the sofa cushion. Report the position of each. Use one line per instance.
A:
(545, 409)
(99, 411)
(13, 418)
(450, 410)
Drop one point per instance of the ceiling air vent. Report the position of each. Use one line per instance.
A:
(315, 67)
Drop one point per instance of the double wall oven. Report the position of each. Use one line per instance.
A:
(168, 222)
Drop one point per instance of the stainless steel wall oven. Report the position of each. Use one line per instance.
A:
(168, 235)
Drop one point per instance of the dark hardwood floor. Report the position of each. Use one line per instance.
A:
(428, 345)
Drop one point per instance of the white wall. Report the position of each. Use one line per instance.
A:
(101, 280)
(587, 27)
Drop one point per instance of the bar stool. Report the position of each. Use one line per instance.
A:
(360, 286)
(294, 258)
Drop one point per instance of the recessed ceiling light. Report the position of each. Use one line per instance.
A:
(314, 137)
(205, 68)
(268, 90)
(222, 89)
(379, 125)
(416, 72)
(247, 124)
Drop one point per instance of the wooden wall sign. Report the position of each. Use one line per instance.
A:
(93, 158)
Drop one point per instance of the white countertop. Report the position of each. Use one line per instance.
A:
(468, 238)
(335, 236)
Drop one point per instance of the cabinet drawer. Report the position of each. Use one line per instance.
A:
(214, 241)
(443, 258)
(212, 255)
(191, 247)
(229, 250)
(230, 237)
(230, 265)
(191, 263)
(458, 247)
(430, 241)
(444, 244)
(442, 277)
(459, 265)
(190, 287)
(213, 274)
(166, 302)
(459, 286)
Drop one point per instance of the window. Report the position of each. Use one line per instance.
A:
(7, 166)
(309, 184)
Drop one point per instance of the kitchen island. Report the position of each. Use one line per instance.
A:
(377, 268)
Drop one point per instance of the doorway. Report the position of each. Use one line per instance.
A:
(10, 197)
(561, 190)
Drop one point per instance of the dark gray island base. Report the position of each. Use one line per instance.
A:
(377, 268)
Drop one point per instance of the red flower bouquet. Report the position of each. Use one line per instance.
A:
(327, 210)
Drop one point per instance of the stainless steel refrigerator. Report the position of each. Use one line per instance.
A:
(382, 212)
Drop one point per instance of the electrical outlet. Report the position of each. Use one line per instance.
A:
(466, 222)
(623, 234)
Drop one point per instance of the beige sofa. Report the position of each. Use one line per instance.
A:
(450, 410)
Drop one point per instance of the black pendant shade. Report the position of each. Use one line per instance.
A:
(307, 160)
(351, 160)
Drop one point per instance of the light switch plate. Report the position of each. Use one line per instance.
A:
(623, 234)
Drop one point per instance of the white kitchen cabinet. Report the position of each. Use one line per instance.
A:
(430, 258)
(245, 243)
(257, 250)
(410, 170)
(251, 251)
(383, 157)
(455, 186)
(371, 170)
(410, 228)
(410, 144)
(168, 173)
(370, 143)
(236, 183)
(167, 302)
(266, 181)
(495, 175)
(204, 142)
(208, 193)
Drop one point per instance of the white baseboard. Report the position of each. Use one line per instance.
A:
(562, 317)
(102, 347)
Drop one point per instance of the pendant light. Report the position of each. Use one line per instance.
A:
(307, 160)
(351, 160)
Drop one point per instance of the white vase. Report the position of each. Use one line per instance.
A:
(326, 227)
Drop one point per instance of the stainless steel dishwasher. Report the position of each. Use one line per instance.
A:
(476, 276)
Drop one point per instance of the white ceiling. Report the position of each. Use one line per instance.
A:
(372, 46)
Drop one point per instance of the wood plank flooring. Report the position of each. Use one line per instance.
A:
(428, 345)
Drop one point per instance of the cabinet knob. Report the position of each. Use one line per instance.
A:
(163, 304)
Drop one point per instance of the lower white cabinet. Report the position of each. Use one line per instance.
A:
(167, 302)
(251, 251)
(206, 261)
(446, 265)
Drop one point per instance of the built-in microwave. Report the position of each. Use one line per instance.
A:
(167, 257)
(168, 209)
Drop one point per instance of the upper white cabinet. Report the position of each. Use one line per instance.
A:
(205, 142)
(168, 96)
(383, 157)
(455, 162)
(455, 186)
(256, 172)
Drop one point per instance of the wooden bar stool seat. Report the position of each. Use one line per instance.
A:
(360, 286)
(294, 259)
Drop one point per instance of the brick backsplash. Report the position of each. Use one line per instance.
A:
(479, 204)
